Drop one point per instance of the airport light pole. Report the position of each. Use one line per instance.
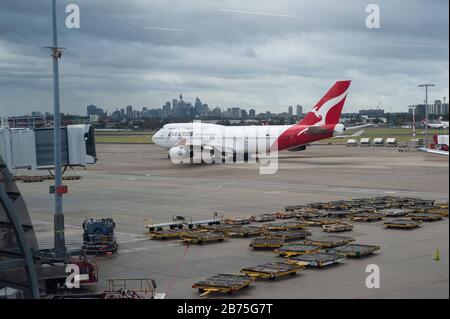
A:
(426, 86)
(413, 108)
(59, 237)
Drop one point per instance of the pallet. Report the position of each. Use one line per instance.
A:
(394, 212)
(338, 213)
(329, 241)
(237, 221)
(354, 250)
(287, 235)
(443, 205)
(284, 215)
(425, 217)
(272, 270)
(32, 179)
(71, 178)
(200, 237)
(317, 259)
(263, 218)
(243, 231)
(296, 249)
(167, 234)
(440, 211)
(220, 228)
(401, 224)
(337, 228)
(320, 221)
(294, 208)
(284, 226)
(224, 283)
(366, 217)
(266, 243)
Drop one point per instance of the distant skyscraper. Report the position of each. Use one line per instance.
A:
(236, 112)
(198, 107)
(252, 113)
(129, 111)
(444, 108)
(290, 111)
(91, 110)
(299, 110)
(421, 110)
(436, 108)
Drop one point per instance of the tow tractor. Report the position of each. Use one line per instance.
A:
(181, 222)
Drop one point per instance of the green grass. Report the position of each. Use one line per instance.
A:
(118, 137)
(123, 132)
(145, 137)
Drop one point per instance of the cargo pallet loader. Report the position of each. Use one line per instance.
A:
(98, 237)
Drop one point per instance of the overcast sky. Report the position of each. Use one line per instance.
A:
(254, 53)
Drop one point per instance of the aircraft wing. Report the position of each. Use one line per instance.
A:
(359, 133)
(428, 150)
(357, 127)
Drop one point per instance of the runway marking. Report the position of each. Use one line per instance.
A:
(274, 192)
(137, 249)
(225, 184)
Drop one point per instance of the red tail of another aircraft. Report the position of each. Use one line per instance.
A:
(328, 110)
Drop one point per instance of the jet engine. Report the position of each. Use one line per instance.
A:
(339, 129)
(180, 154)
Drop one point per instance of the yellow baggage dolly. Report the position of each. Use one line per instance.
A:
(284, 226)
(402, 224)
(167, 233)
(200, 237)
(317, 259)
(328, 241)
(224, 283)
(287, 235)
(293, 249)
(366, 217)
(337, 228)
(354, 250)
(425, 217)
(266, 243)
(272, 270)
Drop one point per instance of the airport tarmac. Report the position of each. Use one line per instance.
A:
(133, 182)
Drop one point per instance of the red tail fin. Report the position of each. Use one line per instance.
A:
(328, 110)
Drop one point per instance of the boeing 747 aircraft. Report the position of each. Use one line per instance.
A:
(221, 143)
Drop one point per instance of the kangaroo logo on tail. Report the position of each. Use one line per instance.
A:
(328, 109)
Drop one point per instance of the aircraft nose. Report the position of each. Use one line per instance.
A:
(156, 137)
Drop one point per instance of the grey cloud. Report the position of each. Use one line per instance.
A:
(226, 58)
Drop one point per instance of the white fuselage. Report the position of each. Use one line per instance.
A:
(248, 139)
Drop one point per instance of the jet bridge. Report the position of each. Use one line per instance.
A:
(33, 148)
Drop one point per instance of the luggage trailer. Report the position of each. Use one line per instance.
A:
(317, 259)
(181, 222)
(224, 283)
(272, 270)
